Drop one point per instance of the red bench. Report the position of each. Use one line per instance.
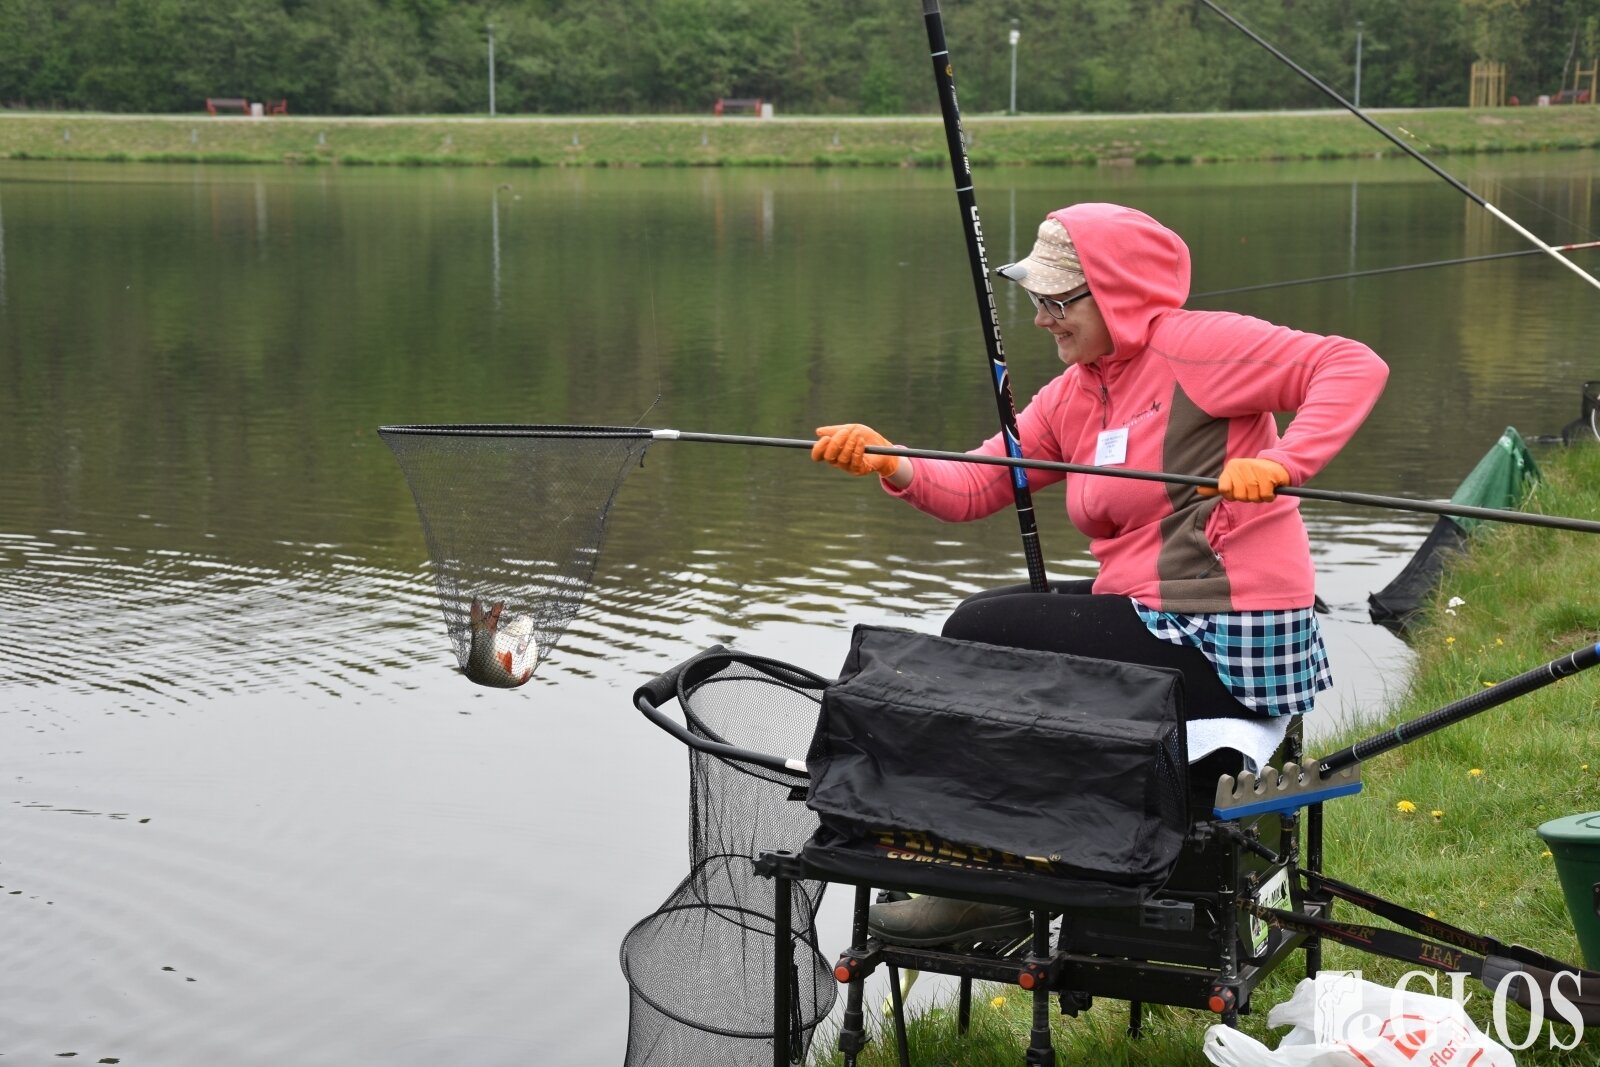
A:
(234, 103)
(737, 104)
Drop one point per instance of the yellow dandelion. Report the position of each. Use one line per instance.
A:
(1405, 807)
(1584, 767)
(1476, 772)
(1437, 814)
(1498, 641)
(998, 1002)
(1432, 914)
(1545, 854)
(1450, 640)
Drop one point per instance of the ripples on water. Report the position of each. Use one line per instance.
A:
(250, 813)
(150, 631)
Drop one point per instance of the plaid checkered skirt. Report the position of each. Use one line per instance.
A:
(1273, 662)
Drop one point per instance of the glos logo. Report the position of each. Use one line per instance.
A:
(1350, 1012)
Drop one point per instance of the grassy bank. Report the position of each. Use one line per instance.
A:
(817, 141)
(1445, 825)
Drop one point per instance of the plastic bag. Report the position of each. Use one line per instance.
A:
(1340, 1020)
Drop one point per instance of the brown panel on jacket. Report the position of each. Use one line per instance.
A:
(1192, 578)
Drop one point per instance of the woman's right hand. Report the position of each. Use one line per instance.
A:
(844, 446)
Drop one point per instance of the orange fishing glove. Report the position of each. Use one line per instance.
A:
(843, 446)
(1249, 480)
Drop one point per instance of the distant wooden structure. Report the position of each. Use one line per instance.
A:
(1488, 84)
(1586, 82)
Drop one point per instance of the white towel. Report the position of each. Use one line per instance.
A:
(1258, 739)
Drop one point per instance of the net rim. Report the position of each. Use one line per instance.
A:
(818, 962)
(510, 429)
(713, 668)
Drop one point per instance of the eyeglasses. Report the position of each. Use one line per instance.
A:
(1057, 309)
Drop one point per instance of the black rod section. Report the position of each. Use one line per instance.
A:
(1439, 718)
(999, 378)
(782, 964)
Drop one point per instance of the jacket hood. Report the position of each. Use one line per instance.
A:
(1136, 268)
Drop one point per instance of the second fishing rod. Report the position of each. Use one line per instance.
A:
(978, 261)
(1554, 252)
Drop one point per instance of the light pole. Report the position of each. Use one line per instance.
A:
(491, 69)
(1358, 63)
(1016, 35)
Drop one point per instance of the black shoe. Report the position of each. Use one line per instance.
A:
(924, 922)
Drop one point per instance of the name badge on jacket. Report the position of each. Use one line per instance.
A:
(1112, 449)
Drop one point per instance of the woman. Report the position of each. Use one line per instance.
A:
(1216, 583)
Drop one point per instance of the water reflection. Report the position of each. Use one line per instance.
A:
(494, 244)
(261, 216)
(1355, 191)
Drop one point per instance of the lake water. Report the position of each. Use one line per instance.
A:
(249, 811)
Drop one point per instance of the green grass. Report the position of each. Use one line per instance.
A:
(1468, 853)
(685, 141)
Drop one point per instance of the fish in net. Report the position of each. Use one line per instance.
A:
(514, 517)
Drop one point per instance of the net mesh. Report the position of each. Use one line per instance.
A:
(514, 517)
(699, 968)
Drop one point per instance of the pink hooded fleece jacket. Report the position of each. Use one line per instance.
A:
(1191, 389)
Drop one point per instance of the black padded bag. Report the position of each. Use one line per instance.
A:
(998, 773)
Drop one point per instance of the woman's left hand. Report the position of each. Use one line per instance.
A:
(844, 446)
(1251, 481)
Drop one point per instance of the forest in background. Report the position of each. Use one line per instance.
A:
(575, 57)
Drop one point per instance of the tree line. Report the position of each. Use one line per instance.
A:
(394, 57)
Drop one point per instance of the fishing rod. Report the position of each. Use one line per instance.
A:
(1339, 774)
(1393, 270)
(1372, 500)
(1412, 152)
(1021, 463)
(988, 310)
(1510, 689)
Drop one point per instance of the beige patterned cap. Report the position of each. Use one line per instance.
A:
(1052, 267)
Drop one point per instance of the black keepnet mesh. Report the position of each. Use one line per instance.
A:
(699, 969)
(514, 517)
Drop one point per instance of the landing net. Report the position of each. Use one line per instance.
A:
(699, 969)
(514, 517)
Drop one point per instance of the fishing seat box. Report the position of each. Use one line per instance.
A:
(1037, 779)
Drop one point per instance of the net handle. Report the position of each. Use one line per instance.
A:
(1395, 503)
(671, 683)
(512, 429)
